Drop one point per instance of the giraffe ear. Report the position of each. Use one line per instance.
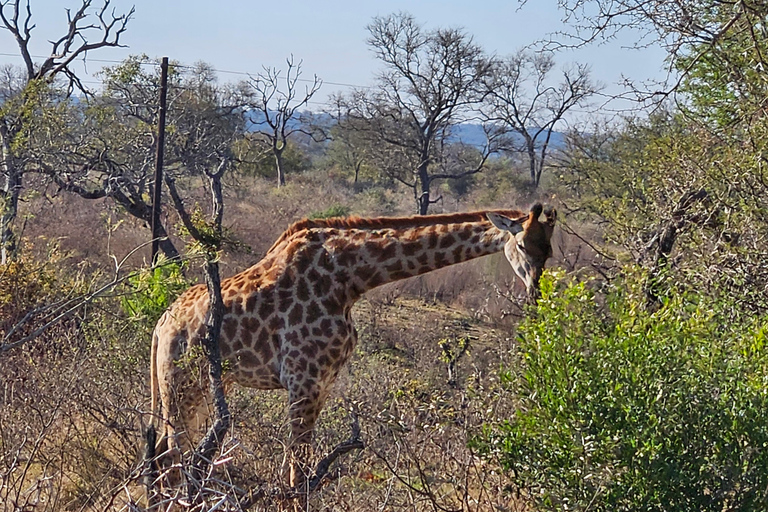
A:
(514, 226)
(551, 215)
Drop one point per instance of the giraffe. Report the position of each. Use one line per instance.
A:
(287, 320)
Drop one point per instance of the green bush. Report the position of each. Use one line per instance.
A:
(151, 291)
(625, 409)
(336, 210)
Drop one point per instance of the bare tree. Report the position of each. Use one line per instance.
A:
(87, 29)
(103, 146)
(430, 83)
(523, 101)
(276, 102)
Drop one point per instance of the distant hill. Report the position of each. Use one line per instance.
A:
(473, 135)
(467, 133)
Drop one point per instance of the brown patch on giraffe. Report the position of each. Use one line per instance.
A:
(264, 350)
(285, 281)
(310, 349)
(302, 289)
(229, 327)
(372, 246)
(394, 267)
(246, 335)
(457, 252)
(332, 307)
(411, 248)
(446, 241)
(314, 313)
(423, 259)
(341, 329)
(322, 285)
(440, 260)
(346, 259)
(296, 315)
(388, 252)
(465, 234)
(250, 302)
(341, 276)
(303, 261)
(376, 280)
(432, 239)
(247, 358)
(327, 326)
(275, 323)
(364, 273)
(250, 323)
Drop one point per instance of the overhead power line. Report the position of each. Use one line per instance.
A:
(156, 63)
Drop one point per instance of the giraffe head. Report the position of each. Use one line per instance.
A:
(529, 244)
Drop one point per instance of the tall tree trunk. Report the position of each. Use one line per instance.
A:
(9, 205)
(424, 182)
(279, 165)
(532, 162)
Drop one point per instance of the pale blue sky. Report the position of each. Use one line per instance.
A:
(240, 35)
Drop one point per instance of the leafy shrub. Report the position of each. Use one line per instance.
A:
(152, 291)
(336, 210)
(623, 409)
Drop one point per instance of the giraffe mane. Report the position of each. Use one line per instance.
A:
(414, 221)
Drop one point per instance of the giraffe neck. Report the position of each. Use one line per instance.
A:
(370, 258)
